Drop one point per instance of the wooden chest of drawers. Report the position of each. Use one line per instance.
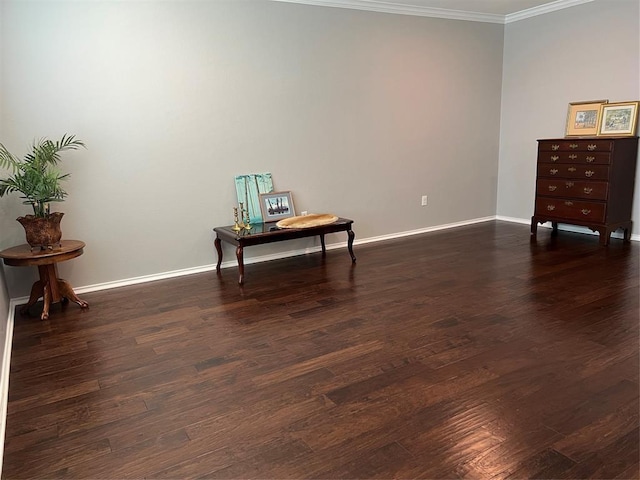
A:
(587, 182)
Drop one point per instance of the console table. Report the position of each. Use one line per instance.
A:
(262, 233)
(51, 288)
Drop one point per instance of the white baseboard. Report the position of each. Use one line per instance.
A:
(421, 230)
(4, 376)
(263, 258)
(292, 253)
(566, 227)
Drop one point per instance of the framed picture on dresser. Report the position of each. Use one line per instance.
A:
(583, 118)
(619, 119)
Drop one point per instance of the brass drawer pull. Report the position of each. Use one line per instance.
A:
(555, 158)
(553, 171)
(568, 203)
(555, 147)
(590, 159)
(552, 188)
(573, 156)
(587, 190)
(572, 169)
(589, 173)
(569, 184)
(551, 207)
(573, 145)
(585, 211)
(592, 147)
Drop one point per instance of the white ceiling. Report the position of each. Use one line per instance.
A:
(494, 11)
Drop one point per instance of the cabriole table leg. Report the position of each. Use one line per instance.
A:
(240, 256)
(217, 242)
(352, 237)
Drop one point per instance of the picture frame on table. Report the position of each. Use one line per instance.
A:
(583, 118)
(276, 206)
(618, 119)
(248, 189)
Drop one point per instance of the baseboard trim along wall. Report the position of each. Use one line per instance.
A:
(4, 375)
(263, 258)
(4, 368)
(566, 227)
(292, 253)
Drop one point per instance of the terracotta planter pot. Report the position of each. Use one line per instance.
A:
(42, 232)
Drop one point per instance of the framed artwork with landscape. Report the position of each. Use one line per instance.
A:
(276, 206)
(619, 119)
(583, 118)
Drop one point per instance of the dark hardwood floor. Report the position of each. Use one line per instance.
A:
(466, 353)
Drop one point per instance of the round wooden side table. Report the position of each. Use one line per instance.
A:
(50, 288)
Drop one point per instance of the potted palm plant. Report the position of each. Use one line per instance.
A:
(38, 179)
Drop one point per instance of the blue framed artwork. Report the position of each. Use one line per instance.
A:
(249, 187)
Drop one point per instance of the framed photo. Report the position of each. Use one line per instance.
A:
(583, 118)
(619, 119)
(276, 206)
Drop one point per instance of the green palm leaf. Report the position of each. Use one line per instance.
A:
(36, 176)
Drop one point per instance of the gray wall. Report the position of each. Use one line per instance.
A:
(588, 52)
(357, 113)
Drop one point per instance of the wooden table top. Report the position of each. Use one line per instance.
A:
(268, 232)
(22, 255)
(270, 229)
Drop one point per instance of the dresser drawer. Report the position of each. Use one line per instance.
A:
(570, 209)
(572, 188)
(587, 158)
(568, 170)
(588, 145)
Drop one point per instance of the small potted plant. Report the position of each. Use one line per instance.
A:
(39, 181)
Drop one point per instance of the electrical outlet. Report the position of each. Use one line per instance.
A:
(303, 213)
(424, 200)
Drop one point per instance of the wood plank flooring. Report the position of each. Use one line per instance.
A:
(466, 353)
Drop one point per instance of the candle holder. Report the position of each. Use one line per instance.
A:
(241, 210)
(247, 223)
(236, 226)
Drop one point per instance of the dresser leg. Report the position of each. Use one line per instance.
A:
(605, 234)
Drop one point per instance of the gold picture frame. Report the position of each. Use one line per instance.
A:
(583, 118)
(618, 119)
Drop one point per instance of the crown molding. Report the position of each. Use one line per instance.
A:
(543, 9)
(416, 10)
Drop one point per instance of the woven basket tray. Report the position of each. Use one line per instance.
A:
(306, 221)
